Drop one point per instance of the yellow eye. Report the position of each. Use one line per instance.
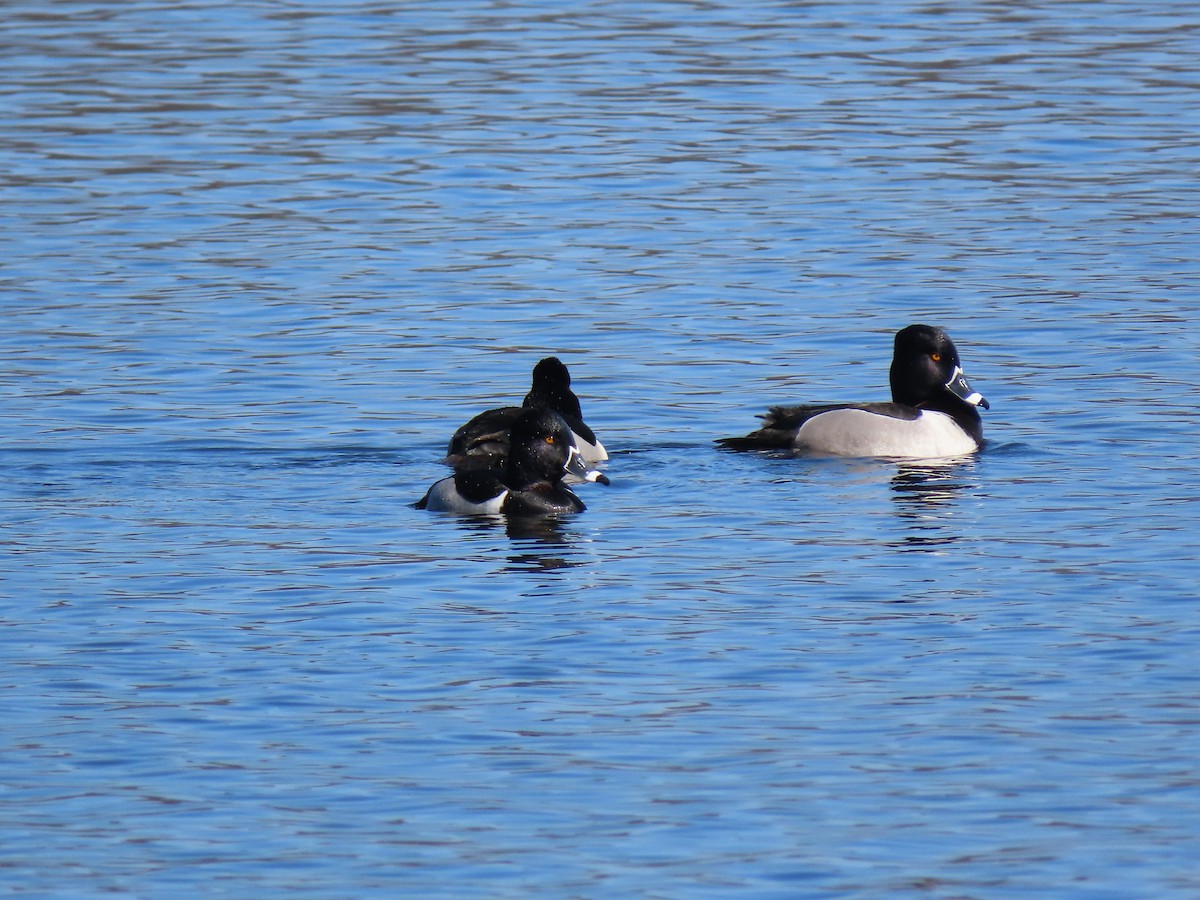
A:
(936, 357)
(550, 439)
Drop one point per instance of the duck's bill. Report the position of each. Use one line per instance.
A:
(959, 387)
(579, 469)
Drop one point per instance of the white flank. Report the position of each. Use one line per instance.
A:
(443, 497)
(857, 432)
(591, 453)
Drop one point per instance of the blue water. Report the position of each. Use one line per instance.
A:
(260, 261)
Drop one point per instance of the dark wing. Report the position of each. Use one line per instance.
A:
(483, 442)
(781, 423)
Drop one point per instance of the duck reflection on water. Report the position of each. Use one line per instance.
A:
(539, 543)
(925, 495)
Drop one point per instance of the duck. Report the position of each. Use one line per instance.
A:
(484, 441)
(934, 411)
(541, 453)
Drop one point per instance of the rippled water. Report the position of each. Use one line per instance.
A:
(260, 261)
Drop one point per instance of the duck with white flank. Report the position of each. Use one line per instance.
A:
(484, 441)
(541, 453)
(934, 411)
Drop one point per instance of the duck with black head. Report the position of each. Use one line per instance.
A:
(934, 411)
(542, 452)
(484, 441)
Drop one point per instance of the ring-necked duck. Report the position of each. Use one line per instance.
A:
(542, 451)
(933, 412)
(483, 442)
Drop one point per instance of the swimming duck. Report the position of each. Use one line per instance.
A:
(933, 413)
(541, 452)
(484, 441)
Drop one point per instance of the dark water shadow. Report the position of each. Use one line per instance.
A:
(538, 543)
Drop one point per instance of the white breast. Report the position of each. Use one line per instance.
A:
(857, 432)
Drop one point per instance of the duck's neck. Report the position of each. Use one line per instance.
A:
(563, 402)
(523, 478)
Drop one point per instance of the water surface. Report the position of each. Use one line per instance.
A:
(259, 263)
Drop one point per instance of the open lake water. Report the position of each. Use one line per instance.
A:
(260, 260)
